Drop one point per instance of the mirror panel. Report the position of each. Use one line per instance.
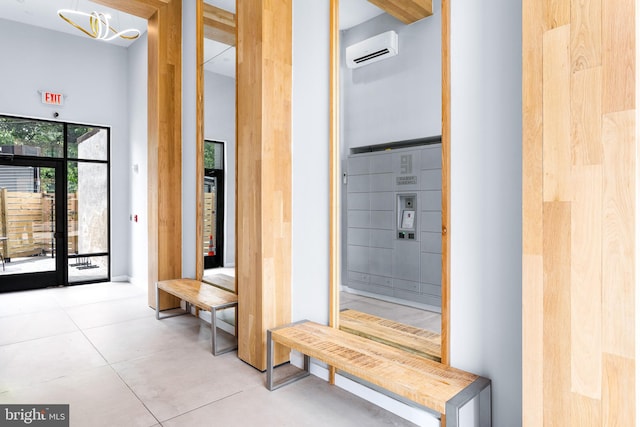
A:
(391, 154)
(216, 170)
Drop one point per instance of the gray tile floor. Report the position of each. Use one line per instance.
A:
(100, 349)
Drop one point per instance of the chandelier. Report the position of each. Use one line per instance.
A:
(99, 27)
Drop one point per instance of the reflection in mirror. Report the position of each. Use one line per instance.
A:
(390, 116)
(218, 176)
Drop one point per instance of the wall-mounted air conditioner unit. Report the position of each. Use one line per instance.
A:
(372, 50)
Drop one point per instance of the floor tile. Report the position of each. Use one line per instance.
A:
(181, 380)
(32, 301)
(310, 402)
(86, 294)
(97, 397)
(25, 327)
(36, 361)
(109, 312)
(140, 337)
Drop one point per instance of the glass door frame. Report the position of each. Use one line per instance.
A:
(42, 279)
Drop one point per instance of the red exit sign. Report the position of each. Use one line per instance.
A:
(52, 98)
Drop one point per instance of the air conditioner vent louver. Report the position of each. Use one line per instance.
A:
(372, 50)
(371, 56)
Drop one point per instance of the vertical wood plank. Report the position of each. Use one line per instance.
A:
(532, 129)
(557, 317)
(586, 282)
(586, 34)
(586, 117)
(618, 55)
(335, 175)
(556, 115)
(533, 339)
(618, 395)
(618, 233)
(446, 182)
(585, 411)
(199, 138)
(557, 13)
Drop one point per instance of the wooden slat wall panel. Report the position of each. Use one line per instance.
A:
(446, 183)
(579, 208)
(586, 34)
(586, 116)
(618, 404)
(557, 298)
(618, 55)
(586, 280)
(557, 13)
(164, 170)
(556, 123)
(532, 347)
(585, 412)
(618, 233)
(263, 179)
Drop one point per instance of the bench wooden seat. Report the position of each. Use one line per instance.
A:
(203, 296)
(222, 281)
(406, 376)
(405, 337)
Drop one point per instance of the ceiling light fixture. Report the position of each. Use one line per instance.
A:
(99, 27)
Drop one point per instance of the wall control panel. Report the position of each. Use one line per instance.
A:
(406, 213)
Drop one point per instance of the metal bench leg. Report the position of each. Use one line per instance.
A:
(480, 388)
(271, 384)
(166, 316)
(214, 331)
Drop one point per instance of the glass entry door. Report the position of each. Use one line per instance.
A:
(32, 237)
(213, 218)
(213, 215)
(54, 203)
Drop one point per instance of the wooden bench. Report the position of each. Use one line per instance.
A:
(203, 296)
(407, 377)
(405, 337)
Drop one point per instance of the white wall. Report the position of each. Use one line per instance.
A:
(220, 125)
(486, 198)
(398, 98)
(137, 101)
(93, 76)
(310, 162)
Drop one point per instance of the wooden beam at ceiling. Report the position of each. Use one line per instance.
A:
(219, 25)
(407, 11)
(141, 8)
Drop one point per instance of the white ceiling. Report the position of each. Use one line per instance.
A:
(219, 58)
(44, 13)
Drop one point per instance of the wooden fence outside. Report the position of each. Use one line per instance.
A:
(209, 218)
(27, 221)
